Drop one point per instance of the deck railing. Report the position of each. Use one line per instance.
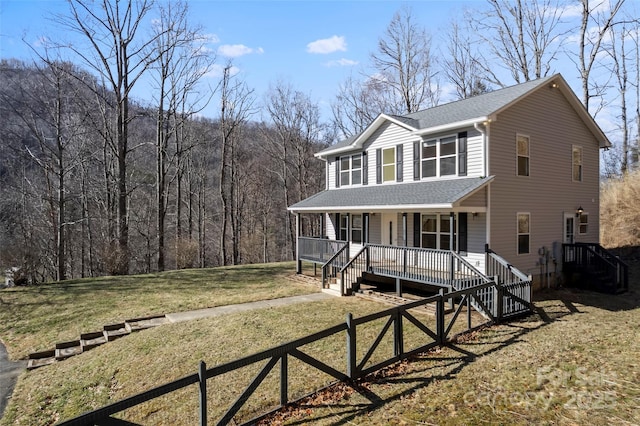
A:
(601, 266)
(333, 266)
(442, 268)
(318, 250)
(514, 285)
(352, 271)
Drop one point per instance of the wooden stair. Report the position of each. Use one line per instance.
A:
(392, 299)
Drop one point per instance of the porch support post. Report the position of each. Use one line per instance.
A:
(398, 288)
(452, 230)
(298, 261)
(404, 229)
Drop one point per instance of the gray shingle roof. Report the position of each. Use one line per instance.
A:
(406, 195)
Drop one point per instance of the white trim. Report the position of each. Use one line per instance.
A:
(452, 126)
(362, 137)
(518, 234)
(581, 163)
(518, 136)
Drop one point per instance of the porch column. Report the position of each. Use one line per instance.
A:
(404, 230)
(365, 231)
(298, 229)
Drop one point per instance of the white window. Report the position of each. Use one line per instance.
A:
(576, 163)
(389, 164)
(524, 233)
(583, 223)
(523, 159)
(436, 232)
(439, 157)
(351, 170)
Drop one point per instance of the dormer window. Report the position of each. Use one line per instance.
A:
(351, 170)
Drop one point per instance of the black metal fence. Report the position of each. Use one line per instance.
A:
(355, 367)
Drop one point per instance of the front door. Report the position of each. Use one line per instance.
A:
(569, 228)
(389, 229)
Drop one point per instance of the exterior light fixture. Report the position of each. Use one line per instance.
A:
(579, 211)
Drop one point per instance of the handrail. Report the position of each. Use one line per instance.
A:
(330, 262)
(508, 266)
(352, 277)
(587, 255)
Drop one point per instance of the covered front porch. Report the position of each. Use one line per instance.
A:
(509, 292)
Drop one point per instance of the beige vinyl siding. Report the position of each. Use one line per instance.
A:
(549, 191)
(479, 199)
(331, 175)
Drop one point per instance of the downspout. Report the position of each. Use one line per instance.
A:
(483, 129)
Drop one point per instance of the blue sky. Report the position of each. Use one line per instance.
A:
(314, 45)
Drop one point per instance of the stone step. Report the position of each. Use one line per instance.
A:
(40, 359)
(113, 331)
(91, 340)
(65, 350)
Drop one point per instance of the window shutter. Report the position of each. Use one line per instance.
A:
(365, 169)
(462, 153)
(337, 172)
(416, 160)
(416, 229)
(337, 226)
(378, 166)
(399, 162)
(462, 232)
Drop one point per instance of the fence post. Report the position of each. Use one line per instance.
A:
(440, 317)
(499, 297)
(202, 381)
(284, 380)
(398, 338)
(351, 348)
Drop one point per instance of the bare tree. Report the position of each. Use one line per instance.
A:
(405, 63)
(293, 133)
(523, 36)
(236, 106)
(591, 45)
(462, 65)
(618, 53)
(120, 54)
(179, 67)
(358, 103)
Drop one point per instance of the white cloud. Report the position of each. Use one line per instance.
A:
(328, 45)
(341, 63)
(236, 50)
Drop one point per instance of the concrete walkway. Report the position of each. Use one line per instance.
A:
(9, 372)
(243, 307)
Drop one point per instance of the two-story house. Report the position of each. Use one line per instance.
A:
(514, 171)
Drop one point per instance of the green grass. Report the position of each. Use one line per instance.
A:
(572, 362)
(35, 318)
